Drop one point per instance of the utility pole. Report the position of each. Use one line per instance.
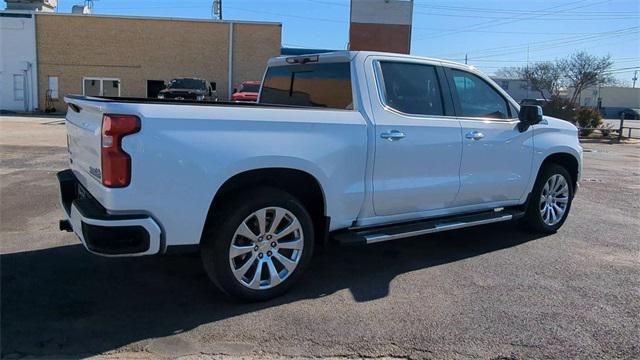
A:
(528, 82)
(216, 9)
(635, 78)
(465, 59)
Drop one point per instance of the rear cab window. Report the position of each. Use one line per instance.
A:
(318, 85)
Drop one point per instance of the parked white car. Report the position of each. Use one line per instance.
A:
(358, 147)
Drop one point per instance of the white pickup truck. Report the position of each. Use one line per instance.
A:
(355, 147)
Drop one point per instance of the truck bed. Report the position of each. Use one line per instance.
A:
(141, 100)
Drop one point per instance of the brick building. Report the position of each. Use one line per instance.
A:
(381, 25)
(132, 56)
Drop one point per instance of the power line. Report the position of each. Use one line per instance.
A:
(625, 69)
(516, 11)
(489, 24)
(289, 16)
(550, 46)
(562, 40)
(617, 60)
(551, 15)
(495, 10)
(502, 31)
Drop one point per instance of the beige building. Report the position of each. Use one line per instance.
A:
(610, 100)
(128, 56)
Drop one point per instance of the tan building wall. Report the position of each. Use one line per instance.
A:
(135, 50)
(253, 45)
(611, 96)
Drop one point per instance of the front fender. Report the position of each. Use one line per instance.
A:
(555, 136)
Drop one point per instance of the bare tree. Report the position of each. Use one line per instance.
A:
(511, 73)
(545, 77)
(582, 70)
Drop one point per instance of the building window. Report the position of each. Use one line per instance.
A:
(18, 87)
(93, 86)
(53, 87)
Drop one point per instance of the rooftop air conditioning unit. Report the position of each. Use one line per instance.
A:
(81, 9)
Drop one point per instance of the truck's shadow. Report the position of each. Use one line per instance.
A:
(64, 302)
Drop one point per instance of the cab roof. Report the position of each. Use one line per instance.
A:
(348, 55)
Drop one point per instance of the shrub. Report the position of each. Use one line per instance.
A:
(588, 118)
(560, 108)
(606, 129)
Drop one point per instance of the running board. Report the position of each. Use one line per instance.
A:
(417, 228)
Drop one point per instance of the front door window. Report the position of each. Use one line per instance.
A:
(477, 98)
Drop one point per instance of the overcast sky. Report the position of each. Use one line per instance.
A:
(492, 33)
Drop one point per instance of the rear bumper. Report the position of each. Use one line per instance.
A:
(103, 233)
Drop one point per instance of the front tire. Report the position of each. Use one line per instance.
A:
(258, 244)
(550, 200)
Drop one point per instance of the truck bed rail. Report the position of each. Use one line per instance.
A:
(141, 100)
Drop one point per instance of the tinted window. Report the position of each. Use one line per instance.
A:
(477, 98)
(187, 84)
(314, 85)
(245, 87)
(412, 88)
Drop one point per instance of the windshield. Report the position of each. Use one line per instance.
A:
(254, 88)
(187, 84)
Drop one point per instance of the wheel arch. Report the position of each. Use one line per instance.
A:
(566, 160)
(301, 184)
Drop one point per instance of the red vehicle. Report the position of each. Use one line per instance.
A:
(248, 91)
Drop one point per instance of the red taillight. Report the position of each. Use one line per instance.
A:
(116, 164)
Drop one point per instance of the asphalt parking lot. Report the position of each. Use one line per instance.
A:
(488, 292)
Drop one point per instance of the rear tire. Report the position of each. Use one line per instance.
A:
(550, 200)
(258, 244)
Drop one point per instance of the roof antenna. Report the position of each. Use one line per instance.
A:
(216, 9)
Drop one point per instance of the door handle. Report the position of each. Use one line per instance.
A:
(393, 135)
(475, 135)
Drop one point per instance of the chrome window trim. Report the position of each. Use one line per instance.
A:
(490, 120)
(379, 81)
(382, 96)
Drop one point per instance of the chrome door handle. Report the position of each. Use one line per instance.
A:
(393, 135)
(475, 135)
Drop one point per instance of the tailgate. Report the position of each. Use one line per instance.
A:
(84, 129)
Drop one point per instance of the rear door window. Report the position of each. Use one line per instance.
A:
(412, 88)
(325, 85)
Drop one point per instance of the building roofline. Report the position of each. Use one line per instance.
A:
(38, 13)
(17, 11)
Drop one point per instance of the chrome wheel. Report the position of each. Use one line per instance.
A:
(554, 199)
(266, 248)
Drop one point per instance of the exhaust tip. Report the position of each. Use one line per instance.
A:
(65, 225)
